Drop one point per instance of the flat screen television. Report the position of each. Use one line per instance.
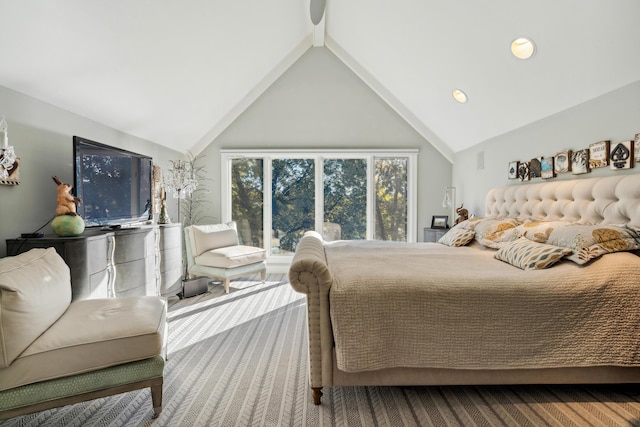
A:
(114, 184)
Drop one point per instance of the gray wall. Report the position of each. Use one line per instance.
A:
(320, 103)
(614, 116)
(42, 137)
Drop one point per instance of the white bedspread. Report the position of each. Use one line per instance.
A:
(429, 305)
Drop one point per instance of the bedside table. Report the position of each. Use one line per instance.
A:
(434, 234)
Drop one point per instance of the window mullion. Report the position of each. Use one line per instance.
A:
(319, 193)
(268, 204)
(371, 197)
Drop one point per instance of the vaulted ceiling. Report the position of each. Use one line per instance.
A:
(178, 72)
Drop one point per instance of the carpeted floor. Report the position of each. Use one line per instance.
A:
(241, 360)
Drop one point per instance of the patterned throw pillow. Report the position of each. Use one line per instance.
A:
(457, 237)
(588, 242)
(492, 232)
(539, 231)
(528, 255)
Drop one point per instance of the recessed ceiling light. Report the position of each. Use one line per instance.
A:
(459, 96)
(523, 48)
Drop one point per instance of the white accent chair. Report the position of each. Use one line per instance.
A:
(214, 251)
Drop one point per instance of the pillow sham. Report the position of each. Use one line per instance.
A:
(468, 224)
(490, 232)
(539, 231)
(457, 237)
(588, 242)
(529, 255)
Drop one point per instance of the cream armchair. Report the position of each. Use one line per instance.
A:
(214, 251)
(56, 352)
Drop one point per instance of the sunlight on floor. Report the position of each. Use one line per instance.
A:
(248, 300)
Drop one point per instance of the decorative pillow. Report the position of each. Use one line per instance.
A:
(35, 290)
(588, 242)
(528, 255)
(491, 232)
(207, 237)
(468, 224)
(539, 231)
(457, 237)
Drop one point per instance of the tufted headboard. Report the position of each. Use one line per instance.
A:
(609, 200)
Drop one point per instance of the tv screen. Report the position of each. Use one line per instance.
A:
(114, 184)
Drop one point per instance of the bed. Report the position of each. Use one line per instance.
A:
(544, 292)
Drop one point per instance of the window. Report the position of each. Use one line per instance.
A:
(344, 195)
(344, 199)
(391, 199)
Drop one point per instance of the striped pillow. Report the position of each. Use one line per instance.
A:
(457, 237)
(528, 255)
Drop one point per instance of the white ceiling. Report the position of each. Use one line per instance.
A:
(177, 72)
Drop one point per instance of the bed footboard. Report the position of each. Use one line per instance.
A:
(310, 275)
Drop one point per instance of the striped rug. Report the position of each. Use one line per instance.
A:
(241, 360)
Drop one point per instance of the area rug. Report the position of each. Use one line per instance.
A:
(240, 359)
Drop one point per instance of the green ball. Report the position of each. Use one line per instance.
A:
(67, 225)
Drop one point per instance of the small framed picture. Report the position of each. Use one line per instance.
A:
(523, 171)
(636, 145)
(562, 161)
(513, 170)
(439, 221)
(599, 154)
(535, 170)
(622, 155)
(546, 168)
(580, 162)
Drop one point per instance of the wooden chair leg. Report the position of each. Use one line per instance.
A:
(316, 395)
(156, 399)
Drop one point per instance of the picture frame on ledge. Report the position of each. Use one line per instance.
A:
(599, 154)
(546, 168)
(562, 162)
(580, 162)
(440, 221)
(622, 155)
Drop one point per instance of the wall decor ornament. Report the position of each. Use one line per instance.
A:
(546, 168)
(9, 163)
(562, 161)
(636, 144)
(622, 155)
(599, 154)
(580, 162)
(513, 170)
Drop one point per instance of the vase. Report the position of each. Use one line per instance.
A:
(164, 216)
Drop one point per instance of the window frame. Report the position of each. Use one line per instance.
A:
(227, 155)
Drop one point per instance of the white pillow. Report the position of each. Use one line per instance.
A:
(35, 290)
(207, 237)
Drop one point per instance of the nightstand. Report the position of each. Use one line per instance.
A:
(434, 234)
